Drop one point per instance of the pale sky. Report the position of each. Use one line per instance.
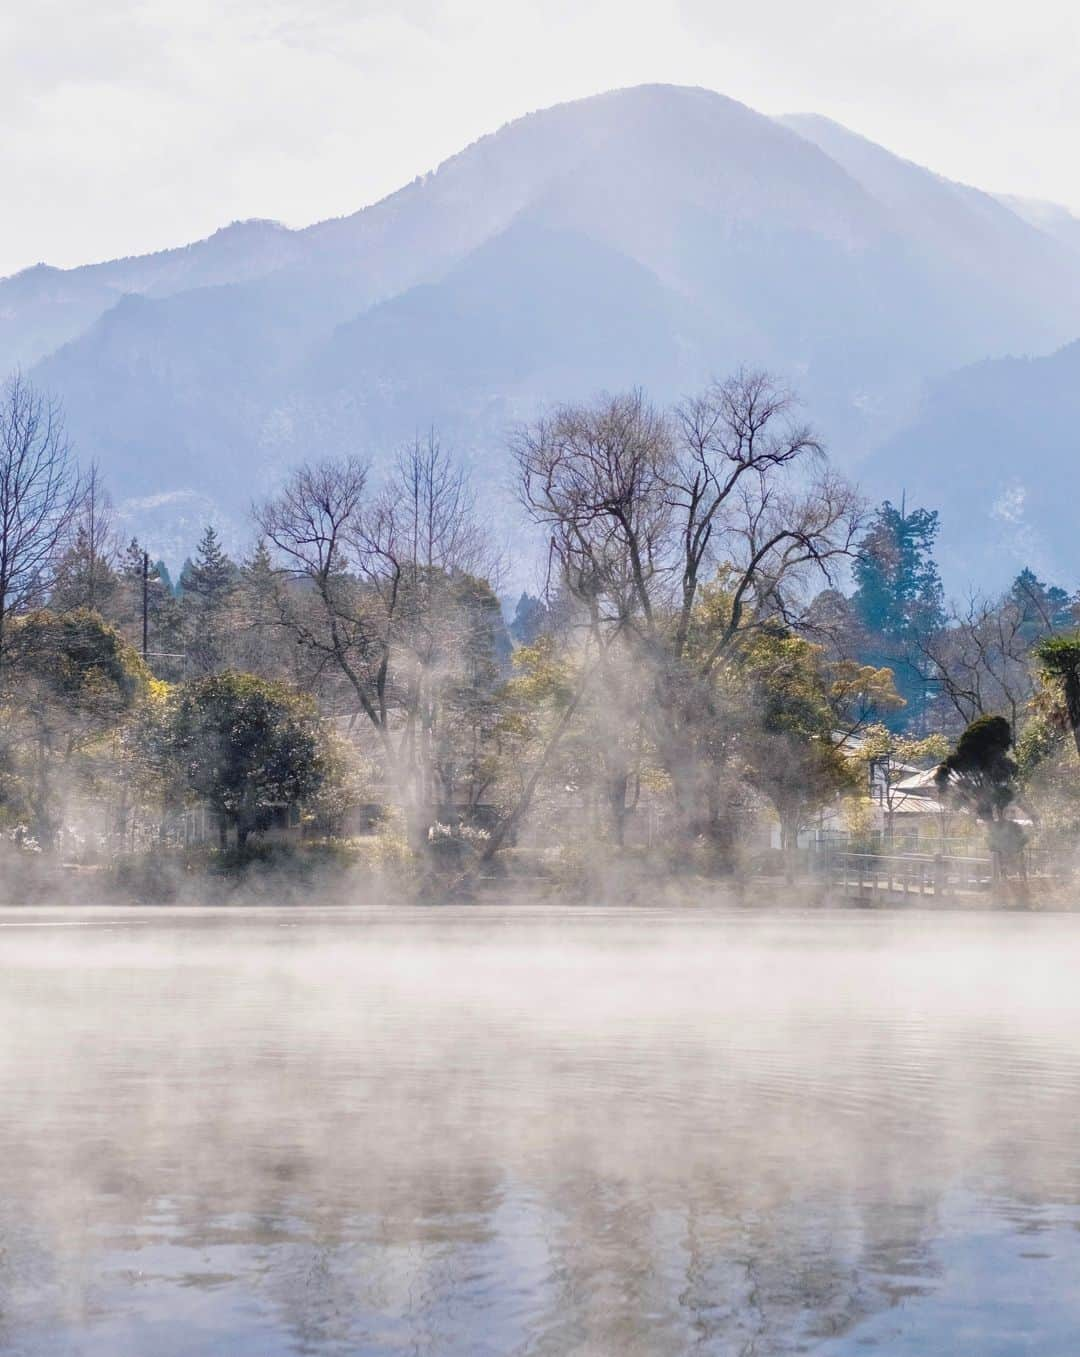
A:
(131, 125)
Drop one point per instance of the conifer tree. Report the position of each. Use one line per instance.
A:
(898, 591)
(212, 576)
(530, 620)
(899, 600)
(209, 586)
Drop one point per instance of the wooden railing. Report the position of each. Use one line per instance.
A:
(871, 874)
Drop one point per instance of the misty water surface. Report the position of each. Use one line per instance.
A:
(509, 1131)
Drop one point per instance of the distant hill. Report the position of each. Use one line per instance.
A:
(996, 448)
(648, 236)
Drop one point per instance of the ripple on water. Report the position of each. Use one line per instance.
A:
(537, 1131)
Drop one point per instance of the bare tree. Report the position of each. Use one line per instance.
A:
(678, 534)
(40, 494)
(95, 523)
(432, 499)
(374, 597)
(981, 660)
(83, 575)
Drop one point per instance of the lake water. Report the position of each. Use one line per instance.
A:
(548, 1132)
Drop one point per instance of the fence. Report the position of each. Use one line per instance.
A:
(867, 875)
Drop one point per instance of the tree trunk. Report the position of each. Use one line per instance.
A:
(507, 827)
(789, 846)
(1072, 705)
(418, 823)
(694, 799)
(616, 797)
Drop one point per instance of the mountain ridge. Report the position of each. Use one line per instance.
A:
(655, 236)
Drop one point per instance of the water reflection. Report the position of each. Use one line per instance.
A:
(511, 1131)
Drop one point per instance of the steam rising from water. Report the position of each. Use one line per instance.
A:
(508, 1131)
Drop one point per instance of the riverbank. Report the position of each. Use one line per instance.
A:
(371, 872)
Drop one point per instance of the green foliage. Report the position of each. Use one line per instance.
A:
(879, 744)
(530, 620)
(243, 744)
(211, 577)
(1058, 659)
(979, 774)
(898, 589)
(208, 586)
(78, 660)
(1039, 742)
(1059, 656)
(898, 599)
(788, 743)
(1042, 607)
(71, 682)
(84, 578)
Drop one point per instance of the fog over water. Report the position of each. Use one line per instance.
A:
(485, 1130)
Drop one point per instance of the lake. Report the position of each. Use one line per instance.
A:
(526, 1130)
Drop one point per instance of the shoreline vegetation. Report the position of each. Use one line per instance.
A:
(345, 874)
(734, 680)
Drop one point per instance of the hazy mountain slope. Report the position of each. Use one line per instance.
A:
(962, 233)
(1050, 218)
(602, 164)
(653, 236)
(42, 308)
(996, 448)
(208, 384)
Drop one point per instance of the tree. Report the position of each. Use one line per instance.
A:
(464, 696)
(982, 659)
(645, 510)
(889, 758)
(370, 588)
(980, 776)
(898, 598)
(1058, 658)
(211, 577)
(244, 745)
(39, 497)
(1043, 608)
(538, 708)
(77, 681)
(898, 590)
(259, 643)
(798, 711)
(530, 620)
(164, 634)
(208, 586)
(84, 576)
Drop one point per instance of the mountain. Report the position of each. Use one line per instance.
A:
(1051, 218)
(995, 448)
(651, 236)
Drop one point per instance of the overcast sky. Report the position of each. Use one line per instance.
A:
(130, 125)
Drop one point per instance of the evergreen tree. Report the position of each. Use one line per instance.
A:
(212, 576)
(130, 566)
(84, 578)
(530, 620)
(161, 572)
(898, 593)
(245, 746)
(209, 585)
(125, 610)
(1043, 608)
(899, 600)
(260, 644)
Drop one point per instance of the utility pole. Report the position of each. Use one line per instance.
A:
(145, 602)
